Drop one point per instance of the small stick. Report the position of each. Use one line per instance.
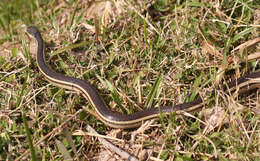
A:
(112, 147)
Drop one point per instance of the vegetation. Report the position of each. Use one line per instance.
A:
(138, 54)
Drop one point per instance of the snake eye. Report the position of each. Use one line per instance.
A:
(32, 30)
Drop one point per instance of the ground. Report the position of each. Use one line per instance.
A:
(138, 55)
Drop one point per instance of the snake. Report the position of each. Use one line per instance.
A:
(116, 119)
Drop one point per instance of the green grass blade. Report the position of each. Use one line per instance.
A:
(73, 15)
(153, 91)
(115, 96)
(70, 141)
(195, 90)
(243, 33)
(29, 139)
(19, 99)
(67, 48)
(65, 153)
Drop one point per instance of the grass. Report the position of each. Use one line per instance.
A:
(145, 54)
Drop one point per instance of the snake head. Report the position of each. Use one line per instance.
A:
(33, 31)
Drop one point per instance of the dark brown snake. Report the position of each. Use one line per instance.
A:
(105, 114)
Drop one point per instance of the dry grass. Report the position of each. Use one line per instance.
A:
(122, 47)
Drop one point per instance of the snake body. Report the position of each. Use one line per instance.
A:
(105, 114)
